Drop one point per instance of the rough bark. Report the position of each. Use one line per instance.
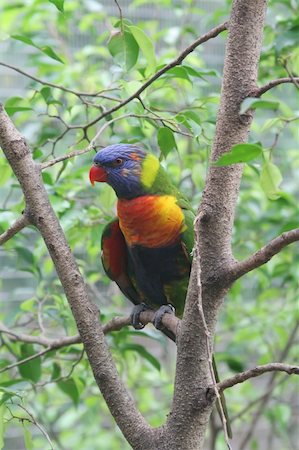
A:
(192, 404)
(40, 213)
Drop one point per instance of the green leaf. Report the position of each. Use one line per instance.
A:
(28, 305)
(46, 93)
(142, 352)
(166, 140)
(25, 254)
(27, 40)
(270, 179)
(178, 72)
(30, 370)
(234, 364)
(27, 437)
(59, 4)
(124, 49)
(69, 387)
(44, 49)
(47, 179)
(202, 73)
(239, 153)
(146, 46)
(254, 103)
(56, 371)
(16, 104)
(50, 52)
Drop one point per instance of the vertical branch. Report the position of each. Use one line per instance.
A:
(215, 229)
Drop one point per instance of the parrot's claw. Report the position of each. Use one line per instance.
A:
(135, 315)
(164, 309)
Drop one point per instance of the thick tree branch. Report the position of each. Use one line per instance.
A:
(17, 226)
(129, 419)
(263, 255)
(256, 372)
(191, 405)
(261, 90)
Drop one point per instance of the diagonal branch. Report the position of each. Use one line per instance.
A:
(176, 62)
(17, 226)
(122, 406)
(263, 255)
(256, 372)
(260, 91)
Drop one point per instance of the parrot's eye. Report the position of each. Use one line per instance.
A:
(117, 162)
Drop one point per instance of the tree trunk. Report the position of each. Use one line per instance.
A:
(194, 395)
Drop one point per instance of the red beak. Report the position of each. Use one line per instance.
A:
(97, 173)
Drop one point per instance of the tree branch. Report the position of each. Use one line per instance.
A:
(17, 226)
(191, 406)
(92, 143)
(260, 91)
(256, 372)
(204, 38)
(263, 255)
(123, 408)
(170, 322)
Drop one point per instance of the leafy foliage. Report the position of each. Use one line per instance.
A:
(175, 118)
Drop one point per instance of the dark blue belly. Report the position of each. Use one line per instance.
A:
(155, 267)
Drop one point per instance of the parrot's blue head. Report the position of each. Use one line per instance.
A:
(121, 166)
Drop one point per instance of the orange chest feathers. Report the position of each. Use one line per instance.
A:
(150, 221)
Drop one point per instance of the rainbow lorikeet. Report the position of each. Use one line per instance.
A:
(147, 249)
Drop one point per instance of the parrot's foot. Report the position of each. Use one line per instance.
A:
(135, 315)
(164, 309)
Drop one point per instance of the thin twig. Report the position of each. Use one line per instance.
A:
(120, 15)
(17, 226)
(33, 420)
(263, 255)
(63, 377)
(92, 144)
(57, 86)
(295, 80)
(171, 322)
(25, 360)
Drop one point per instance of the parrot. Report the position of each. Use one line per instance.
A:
(147, 248)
